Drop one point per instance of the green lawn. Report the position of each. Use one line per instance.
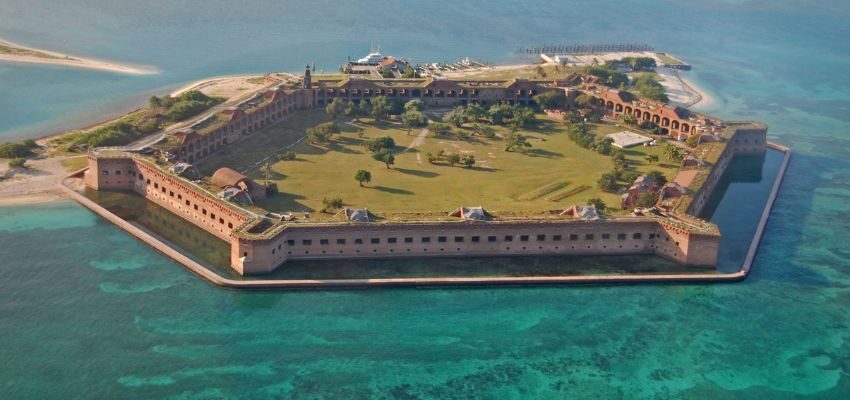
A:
(244, 154)
(552, 174)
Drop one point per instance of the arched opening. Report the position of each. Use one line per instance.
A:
(656, 119)
(618, 108)
(685, 128)
(646, 115)
(628, 110)
(675, 125)
(665, 121)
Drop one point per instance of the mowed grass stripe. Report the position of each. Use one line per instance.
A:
(542, 191)
(563, 195)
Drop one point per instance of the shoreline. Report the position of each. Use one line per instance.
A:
(36, 188)
(37, 57)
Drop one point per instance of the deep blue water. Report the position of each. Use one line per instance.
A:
(88, 312)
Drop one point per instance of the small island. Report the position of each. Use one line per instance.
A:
(11, 52)
(402, 161)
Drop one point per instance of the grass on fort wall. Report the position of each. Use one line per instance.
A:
(533, 181)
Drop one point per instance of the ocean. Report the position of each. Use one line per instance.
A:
(89, 312)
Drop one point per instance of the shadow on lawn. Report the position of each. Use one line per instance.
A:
(392, 190)
(284, 201)
(543, 153)
(416, 172)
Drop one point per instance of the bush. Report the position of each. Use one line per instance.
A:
(15, 150)
(18, 163)
(286, 156)
(658, 177)
(440, 128)
(29, 143)
(452, 159)
(377, 145)
(330, 204)
(431, 158)
(598, 203)
(692, 141)
(551, 99)
(608, 182)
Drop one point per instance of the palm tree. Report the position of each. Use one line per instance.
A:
(671, 152)
(267, 172)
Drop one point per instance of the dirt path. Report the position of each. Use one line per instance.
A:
(418, 140)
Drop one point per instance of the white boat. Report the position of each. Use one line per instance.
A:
(373, 58)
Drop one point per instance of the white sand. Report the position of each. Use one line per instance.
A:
(73, 61)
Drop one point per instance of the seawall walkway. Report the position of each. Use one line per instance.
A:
(221, 281)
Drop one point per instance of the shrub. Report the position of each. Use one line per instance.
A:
(608, 182)
(288, 155)
(440, 128)
(18, 163)
(431, 158)
(330, 204)
(376, 145)
(452, 159)
(14, 150)
(692, 141)
(598, 203)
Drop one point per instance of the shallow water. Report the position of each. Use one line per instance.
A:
(88, 312)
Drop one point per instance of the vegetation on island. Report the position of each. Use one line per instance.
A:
(160, 112)
(18, 150)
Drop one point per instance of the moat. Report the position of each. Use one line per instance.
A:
(734, 207)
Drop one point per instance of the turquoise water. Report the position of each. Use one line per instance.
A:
(125, 322)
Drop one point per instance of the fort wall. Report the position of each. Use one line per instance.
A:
(747, 139)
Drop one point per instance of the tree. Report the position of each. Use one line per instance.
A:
(657, 177)
(385, 156)
(411, 119)
(652, 158)
(608, 182)
(18, 163)
(363, 175)
(585, 100)
(413, 105)
(468, 160)
(431, 158)
(515, 140)
(522, 116)
(628, 119)
(452, 159)
(377, 145)
(692, 141)
(322, 133)
(551, 99)
(571, 117)
(475, 112)
(646, 199)
(336, 107)
(498, 112)
(267, 172)
(602, 145)
(354, 110)
(671, 152)
(458, 116)
(409, 73)
(380, 107)
(598, 203)
(440, 129)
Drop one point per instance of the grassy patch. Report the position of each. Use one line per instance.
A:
(553, 173)
(268, 142)
(72, 164)
(542, 191)
(565, 194)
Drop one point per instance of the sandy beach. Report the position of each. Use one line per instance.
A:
(13, 52)
(38, 183)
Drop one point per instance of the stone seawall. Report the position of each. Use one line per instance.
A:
(218, 280)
